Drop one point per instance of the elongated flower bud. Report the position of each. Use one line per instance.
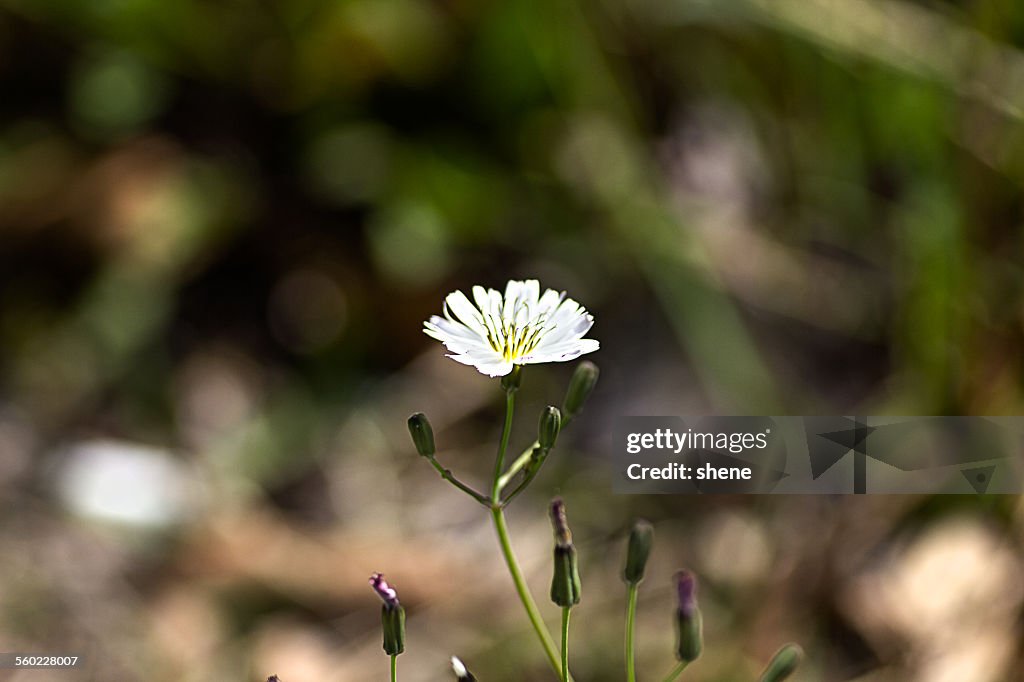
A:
(392, 616)
(422, 434)
(783, 663)
(565, 583)
(641, 539)
(547, 430)
(689, 622)
(580, 387)
(461, 673)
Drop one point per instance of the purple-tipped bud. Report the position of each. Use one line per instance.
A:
(686, 591)
(273, 678)
(560, 522)
(392, 616)
(689, 622)
(386, 593)
(565, 583)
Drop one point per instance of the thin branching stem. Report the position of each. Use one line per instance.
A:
(523, 459)
(506, 432)
(676, 672)
(517, 466)
(447, 475)
(532, 612)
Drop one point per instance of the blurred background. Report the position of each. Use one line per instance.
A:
(222, 224)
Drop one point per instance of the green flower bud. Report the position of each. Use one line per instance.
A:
(547, 430)
(783, 663)
(392, 619)
(565, 583)
(580, 387)
(689, 622)
(392, 616)
(422, 434)
(641, 539)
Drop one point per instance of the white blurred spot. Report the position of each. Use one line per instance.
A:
(733, 548)
(126, 483)
(949, 598)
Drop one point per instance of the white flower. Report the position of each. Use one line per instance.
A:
(520, 328)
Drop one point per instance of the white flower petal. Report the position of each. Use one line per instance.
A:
(494, 303)
(458, 304)
(549, 301)
(438, 325)
(562, 353)
(530, 295)
(492, 368)
(569, 330)
(513, 292)
(481, 298)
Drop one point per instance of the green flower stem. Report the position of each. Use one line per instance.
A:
(447, 475)
(523, 459)
(506, 432)
(565, 643)
(394, 668)
(527, 479)
(524, 592)
(677, 671)
(517, 466)
(630, 632)
(501, 528)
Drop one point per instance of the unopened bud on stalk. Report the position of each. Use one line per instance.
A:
(422, 434)
(460, 671)
(689, 622)
(641, 539)
(783, 663)
(580, 387)
(547, 430)
(392, 616)
(565, 583)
